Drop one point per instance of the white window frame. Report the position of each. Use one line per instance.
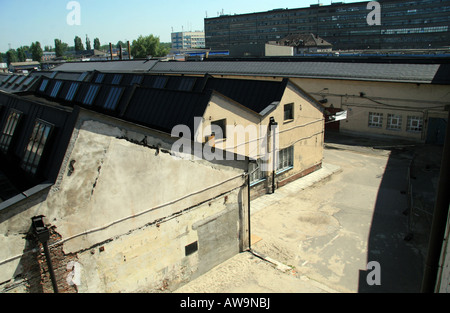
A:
(285, 159)
(394, 122)
(414, 124)
(375, 120)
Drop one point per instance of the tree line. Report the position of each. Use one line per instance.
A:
(142, 47)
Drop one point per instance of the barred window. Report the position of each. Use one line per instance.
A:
(394, 122)
(36, 145)
(375, 120)
(9, 129)
(414, 124)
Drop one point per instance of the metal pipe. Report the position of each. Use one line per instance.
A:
(439, 223)
(50, 267)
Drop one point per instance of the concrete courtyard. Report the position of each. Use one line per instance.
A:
(318, 234)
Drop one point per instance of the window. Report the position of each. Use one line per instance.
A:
(375, 120)
(91, 94)
(286, 158)
(259, 174)
(394, 122)
(72, 90)
(160, 82)
(35, 147)
(9, 129)
(136, 80)
(99, 78)
(414, 124)
(186, 84)
(222, 124)
(288, 111)
(113, 98)
(117, 78)
(82, 76)
(43, 85)
(56, 88)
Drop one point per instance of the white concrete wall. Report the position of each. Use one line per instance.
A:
(140, 204)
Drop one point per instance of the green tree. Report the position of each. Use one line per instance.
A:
(88, 43)
(119, 44)
(21, 55)
(36, 51)
(11, 56)
(97, 44)
(147, 46)
(60, 48)
(78, 44)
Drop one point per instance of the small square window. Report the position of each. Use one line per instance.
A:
(394, 122)
(375, 120)
(222, 124)
(414, 124)
(288, 111)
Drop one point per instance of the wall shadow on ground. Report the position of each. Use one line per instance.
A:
(399, 256)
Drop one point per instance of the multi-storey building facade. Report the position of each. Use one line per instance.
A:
(188, 40)
(405, 24)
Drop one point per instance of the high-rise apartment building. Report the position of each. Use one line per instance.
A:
(188, 40)
(404, 24)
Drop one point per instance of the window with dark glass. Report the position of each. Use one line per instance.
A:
(9, 130)
(117, 79)
(99, 78)
(218, 127)
(288, 111)
(36, 145)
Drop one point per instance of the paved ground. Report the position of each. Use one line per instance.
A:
(318, 234)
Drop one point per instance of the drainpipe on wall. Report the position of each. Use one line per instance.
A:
(273, 125)
(43, 235)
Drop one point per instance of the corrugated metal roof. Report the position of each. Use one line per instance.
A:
(415, 73)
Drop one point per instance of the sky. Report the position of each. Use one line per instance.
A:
(26, 21)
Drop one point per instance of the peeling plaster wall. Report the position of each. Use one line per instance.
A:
(126, 208)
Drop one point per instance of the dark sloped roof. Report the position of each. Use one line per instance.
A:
(164, 109)
(391, 72)
(255, 95)
(156, 101)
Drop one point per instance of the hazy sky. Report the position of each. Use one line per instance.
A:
(26, 21)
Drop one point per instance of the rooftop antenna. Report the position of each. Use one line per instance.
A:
(206, 12)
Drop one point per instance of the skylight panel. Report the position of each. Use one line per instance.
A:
(113, 98)
(82, 76)
(91, 94)
(137, 79)
(72, 90)
(117, 79)
(99, 78)
(56, 89)
(43, 85)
